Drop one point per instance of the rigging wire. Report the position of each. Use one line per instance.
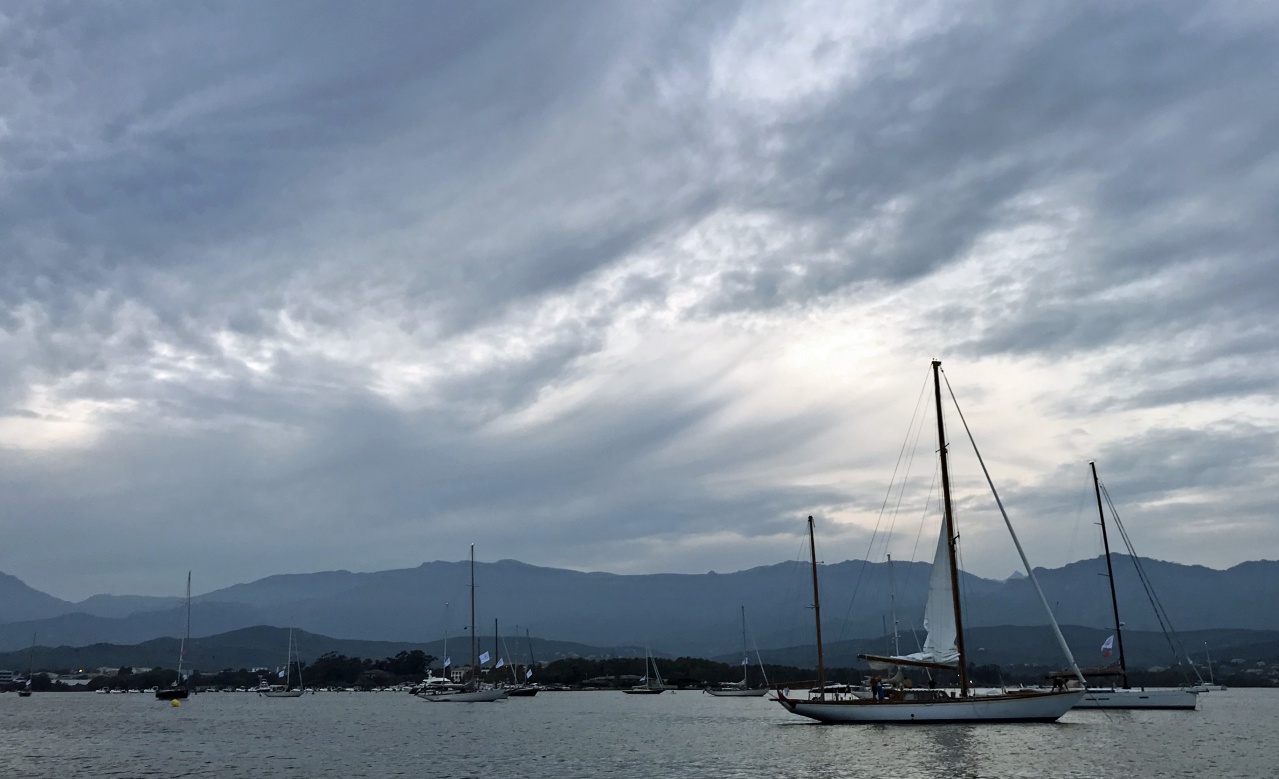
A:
(852, 600)
(1165, 622)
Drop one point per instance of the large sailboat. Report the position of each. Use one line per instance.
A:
(943, 650)
(743, 689)
(1123, 696)
(291, 660)
(471, 691)
(179, 689)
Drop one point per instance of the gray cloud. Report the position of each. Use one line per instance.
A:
(309, 286)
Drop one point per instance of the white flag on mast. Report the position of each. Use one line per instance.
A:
(484, 657)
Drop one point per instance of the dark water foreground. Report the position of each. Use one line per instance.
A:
(606, 734)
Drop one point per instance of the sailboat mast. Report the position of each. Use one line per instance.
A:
(1110, 574)
(746, 658)
(186, 636)
(817, 611)
(474, 673)
(892, 606)
(950, 532)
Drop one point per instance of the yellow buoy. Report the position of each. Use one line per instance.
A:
(174, 704)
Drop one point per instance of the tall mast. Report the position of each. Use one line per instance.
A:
(951, 537)
(474, 673)
(746, 658)
(892, 606)
(186, 637)
(531, 661)
(817, 612)
(1110, 573)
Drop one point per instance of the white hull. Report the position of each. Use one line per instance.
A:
(739, 693)
(281, 694)
(476, 696)
(1030, 707)
(1138, 699)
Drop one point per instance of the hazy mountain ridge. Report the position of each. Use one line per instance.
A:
(674, 613)
(264, 646)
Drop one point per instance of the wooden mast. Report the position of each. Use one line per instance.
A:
(817, 612)
(1110, 574)
(951, 536)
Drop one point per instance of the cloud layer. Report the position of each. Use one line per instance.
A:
(626, 287)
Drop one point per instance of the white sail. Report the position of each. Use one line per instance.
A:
(939, 616)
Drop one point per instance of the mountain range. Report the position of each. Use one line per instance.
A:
(688, 614)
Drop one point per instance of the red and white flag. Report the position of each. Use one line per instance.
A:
(1107, 647)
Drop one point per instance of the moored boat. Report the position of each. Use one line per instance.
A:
(943, 650)
(179, 692)
(470, 691)
(1124, 696)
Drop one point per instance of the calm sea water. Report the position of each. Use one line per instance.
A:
(606, 734)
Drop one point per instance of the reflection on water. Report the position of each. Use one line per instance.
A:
(605, 734)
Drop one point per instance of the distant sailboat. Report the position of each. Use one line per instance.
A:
(1125, 697)
(526, 689)
(25, 692)
(652, 679)
(290, 661)
(743, 689)
(1211, 684)
(179, 689)
(471, 691)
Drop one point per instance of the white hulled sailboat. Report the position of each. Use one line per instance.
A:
(942, 650)
(743, 689)
(1124, 696)
(291, 659)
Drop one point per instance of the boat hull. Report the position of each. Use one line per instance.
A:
(1031, 707)
(281, 694)
(760, 693)
(1139, 699)
(473, 696)
(645, 691)
(171, 695)
(522, 692)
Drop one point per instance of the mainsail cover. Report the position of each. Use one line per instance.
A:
(939, 617)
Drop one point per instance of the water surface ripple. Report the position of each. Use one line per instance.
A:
(605, 734)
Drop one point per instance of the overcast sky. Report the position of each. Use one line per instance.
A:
(626, 286)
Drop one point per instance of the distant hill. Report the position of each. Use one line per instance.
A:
(693, 614)
(263, 646)
(19, 602)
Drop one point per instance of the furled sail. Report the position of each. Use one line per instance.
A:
(939, 620)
